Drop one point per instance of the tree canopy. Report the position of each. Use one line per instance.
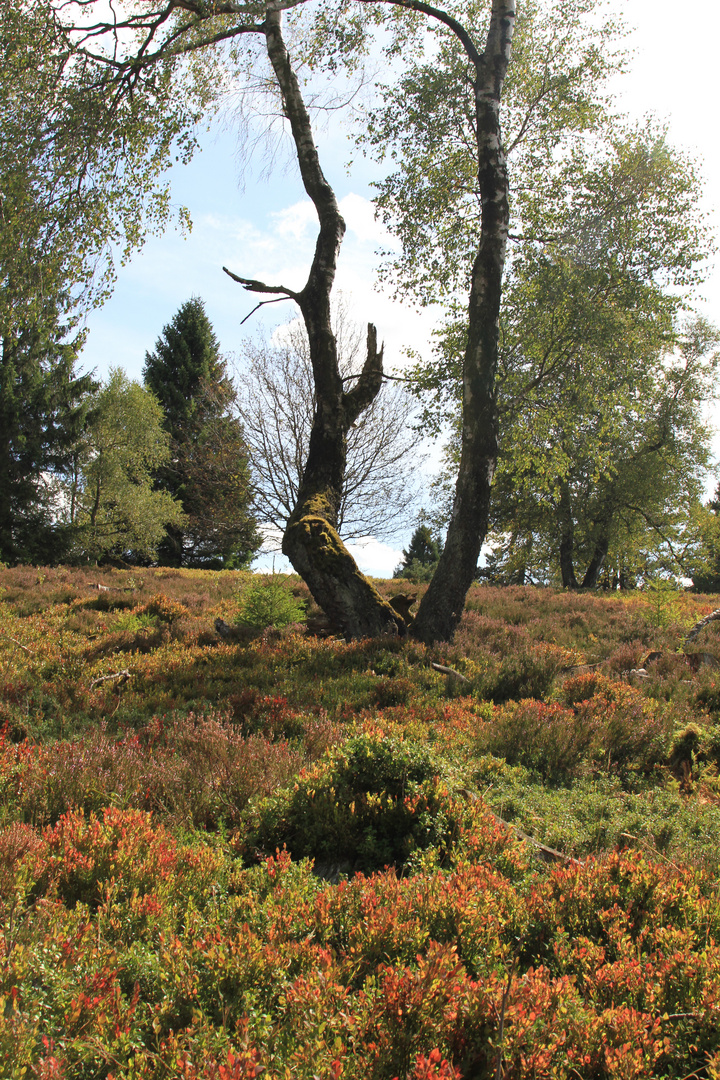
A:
(456, 121)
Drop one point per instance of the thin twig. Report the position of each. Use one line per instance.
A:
(549, 854)
(262, 303)
(649, 847)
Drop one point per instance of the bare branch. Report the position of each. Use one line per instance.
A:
(259, 286)
(277, 300)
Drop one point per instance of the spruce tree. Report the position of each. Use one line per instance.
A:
(421, 557)
(208, 471)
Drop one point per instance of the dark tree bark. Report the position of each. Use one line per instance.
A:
(442, 605)
(311, 540)
(596, 563)
(567, 540)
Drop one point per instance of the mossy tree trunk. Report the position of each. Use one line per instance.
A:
(311, 539)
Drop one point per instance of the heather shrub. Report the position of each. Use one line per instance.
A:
(369, 803)
(631, 731)
(707, 695)
(546, 739)
(195, 770)
(597, 724)
(523, 674)
(163, 608)
(110, 600)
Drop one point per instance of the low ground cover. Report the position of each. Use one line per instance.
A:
(258, 852)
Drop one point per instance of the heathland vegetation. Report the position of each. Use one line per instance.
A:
(232, 849)
(436, 829)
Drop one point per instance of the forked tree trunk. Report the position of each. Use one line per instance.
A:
(596, 563)
(442, 605)
(311, 540)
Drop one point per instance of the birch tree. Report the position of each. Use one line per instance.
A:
(162, 34)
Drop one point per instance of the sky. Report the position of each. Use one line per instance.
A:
(264, 228)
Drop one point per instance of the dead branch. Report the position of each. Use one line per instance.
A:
(450, 671)
(549, 854)
(19, 644)
(122, 676)
(252, 285)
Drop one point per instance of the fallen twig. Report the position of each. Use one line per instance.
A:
(123, 676)
(649, 847)
(548, 853)
(449, 671)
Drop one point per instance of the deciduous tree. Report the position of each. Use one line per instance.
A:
(311, 540)
(80, 173)
(110, 501)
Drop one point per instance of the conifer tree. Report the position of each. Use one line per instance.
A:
(208, 471)
(421, 557)
(42, 412)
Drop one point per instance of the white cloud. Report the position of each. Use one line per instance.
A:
(295, 221)
(375, 558)
(359, 215)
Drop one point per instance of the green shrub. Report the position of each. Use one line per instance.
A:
(132, 623)
(269, 604)
(371, 802)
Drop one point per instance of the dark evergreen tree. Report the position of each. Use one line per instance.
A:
(208, 471)
(421, 557)
(42, 413)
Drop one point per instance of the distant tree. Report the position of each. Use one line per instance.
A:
(421, 557)
(602, 379)
(277, 401)
(208, 468)
(704, 568)
(110, 502)
(42, 411)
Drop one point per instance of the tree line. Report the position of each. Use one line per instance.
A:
(564, 242)
(187, 468)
